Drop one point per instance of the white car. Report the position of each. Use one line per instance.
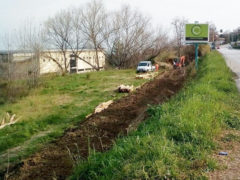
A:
(145, 66)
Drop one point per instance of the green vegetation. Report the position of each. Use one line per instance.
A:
(59, 103)
(176, 141)
(13, 90)
(204, 49)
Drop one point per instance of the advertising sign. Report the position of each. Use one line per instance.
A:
(196, 33)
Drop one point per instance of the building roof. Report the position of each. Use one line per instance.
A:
(21, 58)
(2, 52)
(14, 51)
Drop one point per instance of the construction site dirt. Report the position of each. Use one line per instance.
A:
(99, 130)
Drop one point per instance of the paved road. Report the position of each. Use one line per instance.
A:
(232, 57)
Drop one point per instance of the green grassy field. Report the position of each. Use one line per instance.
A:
(177, 140)
(58, 104)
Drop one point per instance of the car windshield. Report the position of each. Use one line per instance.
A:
(142, 64)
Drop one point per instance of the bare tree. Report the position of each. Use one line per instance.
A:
(130, 37)
(179, 25)
(157, 43)
(20, 61)
(6, 61)
(74, 30)
(212, 32)
(126, 35)
(235, 35)
(8, 70)
(5, 68)
(57, 34)
(30, 43)
(79, 39)
(94, 23)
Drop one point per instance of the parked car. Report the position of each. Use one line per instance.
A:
(145, 66)
(212, 45)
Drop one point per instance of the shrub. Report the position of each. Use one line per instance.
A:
(204, 49)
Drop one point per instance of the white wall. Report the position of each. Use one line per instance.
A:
(47, 65)
(90, 56)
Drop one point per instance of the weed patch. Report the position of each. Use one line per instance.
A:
(177, 139)
(59, 103)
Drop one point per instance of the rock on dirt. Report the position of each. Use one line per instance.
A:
(103, 106)
(125, 88)
(146, 76)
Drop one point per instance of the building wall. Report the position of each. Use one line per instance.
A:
(18, 65)
(90, 57)
(47, 65)
(24, 64)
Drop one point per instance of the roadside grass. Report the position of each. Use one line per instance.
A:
(177, 139)
(59, 103)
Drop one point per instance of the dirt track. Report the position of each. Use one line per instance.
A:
(99, 130)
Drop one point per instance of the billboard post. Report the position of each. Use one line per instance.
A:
(196, 55)
(196, 34)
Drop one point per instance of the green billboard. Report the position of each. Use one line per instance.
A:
(196, 33)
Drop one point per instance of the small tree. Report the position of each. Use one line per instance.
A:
(179, 25)
(30, 41)
(6, 63)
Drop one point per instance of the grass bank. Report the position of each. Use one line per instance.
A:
(176, 141)
(58, 104)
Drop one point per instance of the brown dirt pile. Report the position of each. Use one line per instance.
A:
(99, 130)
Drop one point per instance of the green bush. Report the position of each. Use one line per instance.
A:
(12, 91)
(204, 49)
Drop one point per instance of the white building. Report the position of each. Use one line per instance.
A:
(51, 61)
(87, 60)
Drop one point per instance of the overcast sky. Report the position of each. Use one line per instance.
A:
(225, 15)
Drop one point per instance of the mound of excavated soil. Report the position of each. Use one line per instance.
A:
(99, 130)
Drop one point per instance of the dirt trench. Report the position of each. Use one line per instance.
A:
(99, 130)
